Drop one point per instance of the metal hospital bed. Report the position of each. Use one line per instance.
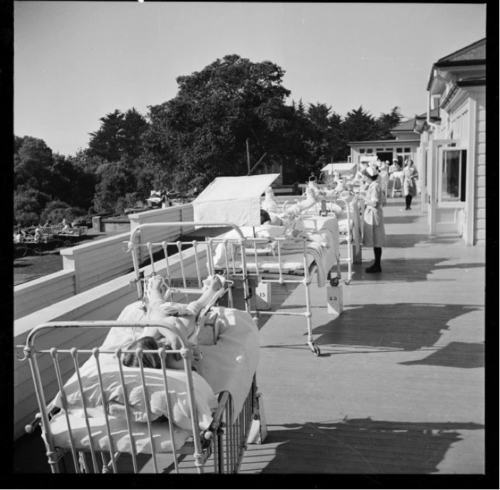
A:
(350, 225)
(238, 265)
(266, 260)
(226, 436)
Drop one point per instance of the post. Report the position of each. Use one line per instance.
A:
(248, 157)
(255, 166)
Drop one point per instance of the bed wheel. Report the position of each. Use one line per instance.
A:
(316, 351)
(347, 281)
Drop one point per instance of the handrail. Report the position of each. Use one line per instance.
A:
(179, 223)
(30, 339)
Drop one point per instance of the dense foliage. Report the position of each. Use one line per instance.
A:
(230, 106)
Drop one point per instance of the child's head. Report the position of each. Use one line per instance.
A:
(149, 360)
(264, 217)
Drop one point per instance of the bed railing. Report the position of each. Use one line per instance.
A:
(223, 437)
(189, 284)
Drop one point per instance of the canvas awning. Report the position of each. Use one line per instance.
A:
(233, 199)
(340, 168)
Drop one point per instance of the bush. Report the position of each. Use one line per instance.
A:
(129, 201)
(26, 219)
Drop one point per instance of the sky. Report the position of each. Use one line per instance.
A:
(75, 62)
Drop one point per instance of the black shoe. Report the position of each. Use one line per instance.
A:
(373, 268)
(409, 208)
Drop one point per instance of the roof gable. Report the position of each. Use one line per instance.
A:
(405, 126)
(475, 51)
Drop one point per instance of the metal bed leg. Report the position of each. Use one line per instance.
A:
(314, 349)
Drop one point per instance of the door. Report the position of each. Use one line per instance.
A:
(446, 180)
(422, 166)
(432, 179)
(451, 190)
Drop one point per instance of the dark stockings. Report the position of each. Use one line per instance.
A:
(378, 255)
(408, 201)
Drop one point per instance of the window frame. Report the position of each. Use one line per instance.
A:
(462, 184)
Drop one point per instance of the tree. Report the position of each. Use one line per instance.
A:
(32, 163)
(202, 132)
(387, 122)
(119, 135)
(106, 141)
(318, 115)
(336, 139)
(358, 125)
(116, 180)
(87, 177)
(134, 126)
(28, 205)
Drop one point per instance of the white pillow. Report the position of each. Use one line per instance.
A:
(205, 399)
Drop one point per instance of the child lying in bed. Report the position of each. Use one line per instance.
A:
(180, 317)
(151, 359)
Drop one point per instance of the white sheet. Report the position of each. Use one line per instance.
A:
(231, 364)
(324, 250)
(119, 433)
(227, 366)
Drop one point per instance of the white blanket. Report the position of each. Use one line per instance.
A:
(227, 366)
(231, 364)
(323, 250)
(119, 433)
(325, 257)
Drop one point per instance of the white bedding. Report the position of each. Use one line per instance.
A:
(205, 399)
(119, 433)
(355, 221)
(322, 248)
(227, 366)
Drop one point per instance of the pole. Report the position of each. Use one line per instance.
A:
(255, 166)
(248, 157)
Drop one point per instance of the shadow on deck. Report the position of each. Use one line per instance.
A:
(376, 326)
(362, 446)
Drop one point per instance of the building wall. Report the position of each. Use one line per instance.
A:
(464, 121)
(403, 150)
(480, 172)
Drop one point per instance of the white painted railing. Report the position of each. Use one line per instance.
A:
(104, 302)
(92, 264)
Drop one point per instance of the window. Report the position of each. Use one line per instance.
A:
(402, 157)
(369, 150)
(407, 150)
(361, 150)
(453, 171)
(379, 149)
(399, 150)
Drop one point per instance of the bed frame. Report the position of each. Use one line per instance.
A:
(225, 439)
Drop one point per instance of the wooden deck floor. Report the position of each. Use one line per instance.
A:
(399, 387)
